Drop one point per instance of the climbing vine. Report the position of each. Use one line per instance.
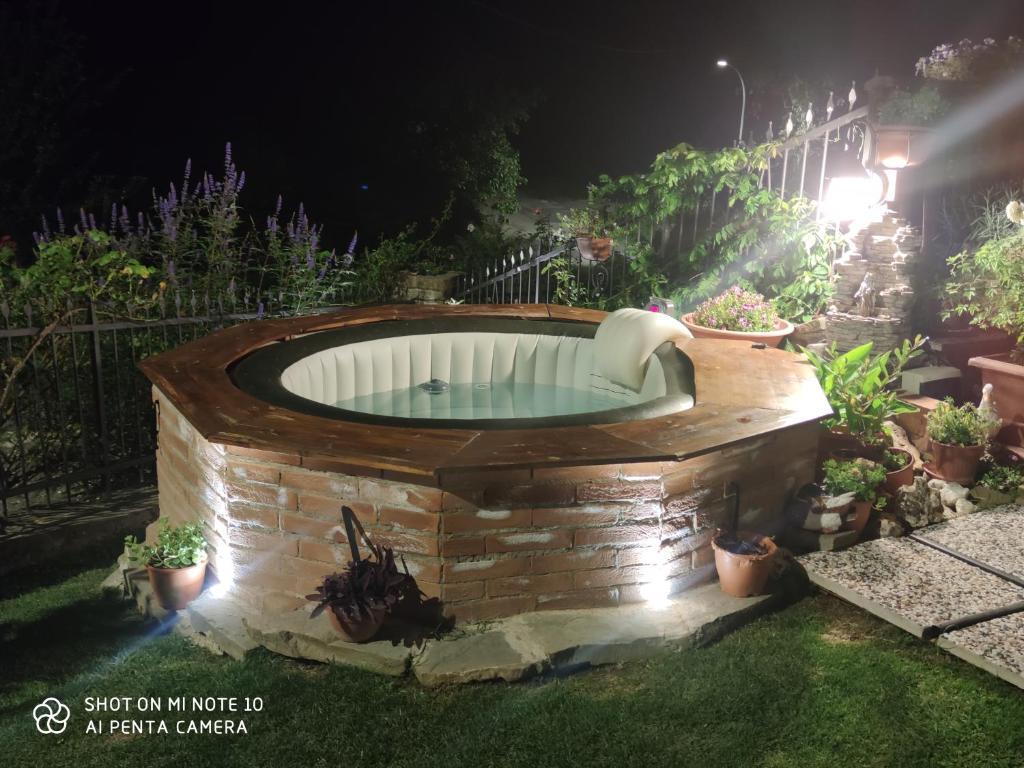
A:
(756, 238)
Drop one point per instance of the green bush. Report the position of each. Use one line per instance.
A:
(857, 476)
(857, 386)
(1003, 479)
(966, 425)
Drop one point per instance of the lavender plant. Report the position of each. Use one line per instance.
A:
(197, 241)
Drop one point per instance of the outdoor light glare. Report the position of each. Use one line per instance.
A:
(895, 162)
(722, 63)
(851, 197)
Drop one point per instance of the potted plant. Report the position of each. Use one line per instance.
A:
(958, 436)
(859, 387)
(859, 477)
(987, 284)
(901, 127)
(592, 234)
(740, 315)
(744, 561)
(175, 564)
(899, 469)
(358, 599)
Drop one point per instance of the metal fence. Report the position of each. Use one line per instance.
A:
(545, 272)
(80, 419)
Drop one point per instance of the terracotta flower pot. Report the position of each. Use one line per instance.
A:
(771, 338)
(594, 248)
(956, 463)
(899, 477)
(744, 575)
(361, 631)
(857, 518)
(175, 588)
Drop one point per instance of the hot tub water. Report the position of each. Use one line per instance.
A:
(498, 400)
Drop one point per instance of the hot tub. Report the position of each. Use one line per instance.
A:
(462, 372)
(529, 480)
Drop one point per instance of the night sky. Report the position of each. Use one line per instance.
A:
(313, 95)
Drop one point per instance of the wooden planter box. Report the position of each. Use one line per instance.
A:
(1007, 380)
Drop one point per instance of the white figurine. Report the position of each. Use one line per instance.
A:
(987, 407)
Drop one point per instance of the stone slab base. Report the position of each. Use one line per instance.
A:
(509, 649)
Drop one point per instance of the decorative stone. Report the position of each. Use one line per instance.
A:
(965, 507)
(952, 493)
(889, 527)
(913, 502)
(986, 498)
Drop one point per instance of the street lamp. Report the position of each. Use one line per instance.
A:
(722, 64)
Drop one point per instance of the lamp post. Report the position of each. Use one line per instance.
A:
(722, 64)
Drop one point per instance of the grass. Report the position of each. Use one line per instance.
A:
(818, 684)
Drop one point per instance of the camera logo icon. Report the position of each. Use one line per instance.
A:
(51, 716)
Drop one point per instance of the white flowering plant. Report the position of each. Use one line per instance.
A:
(968, 61)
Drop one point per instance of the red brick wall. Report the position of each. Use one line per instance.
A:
(488, 544)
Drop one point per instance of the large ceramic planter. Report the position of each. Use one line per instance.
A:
(770, 338)
(956, 463)
(175, 588)
(898, 478)
(360, 631)
(744, 575)
(1007, 380)
(594, 248)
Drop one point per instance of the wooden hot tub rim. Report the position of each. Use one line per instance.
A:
(741, 393)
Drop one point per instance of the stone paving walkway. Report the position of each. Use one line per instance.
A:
(913, 585)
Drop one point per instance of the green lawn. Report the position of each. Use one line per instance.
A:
(819, 684)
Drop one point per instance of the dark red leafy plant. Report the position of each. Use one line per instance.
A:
(366, 587)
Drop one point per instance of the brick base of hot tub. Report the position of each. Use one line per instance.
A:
(487, 544)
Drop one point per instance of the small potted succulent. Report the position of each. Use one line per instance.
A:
(958, 437)
(899, 469)
(859, 477)
(592, 235)
(358, 599)
(175, 564)
(740, 315)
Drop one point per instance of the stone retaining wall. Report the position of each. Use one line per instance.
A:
(489, 543)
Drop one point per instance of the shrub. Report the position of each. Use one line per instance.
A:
(857, 476)
(965, 425)
(988, 283)
(857, 386)
(924, 106)
(1003, 479)
(737, 310)
(176, 546)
